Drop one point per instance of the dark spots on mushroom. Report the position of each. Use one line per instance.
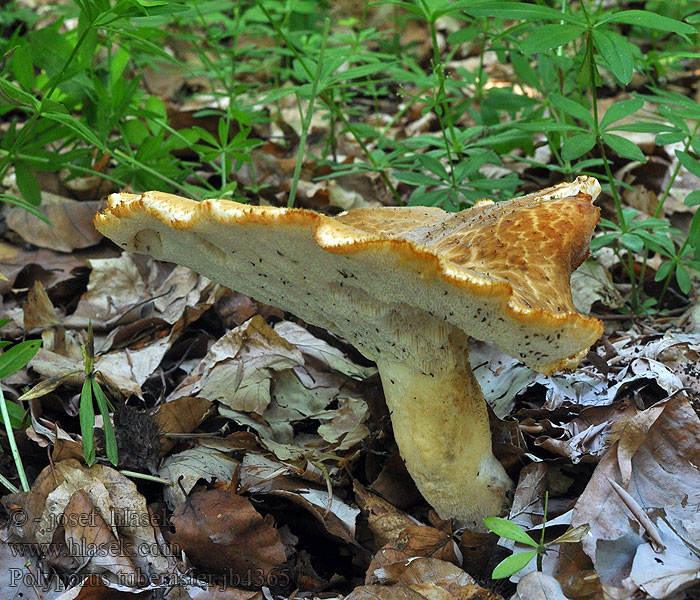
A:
(346, 274)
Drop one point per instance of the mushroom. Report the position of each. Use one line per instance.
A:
(407, 286)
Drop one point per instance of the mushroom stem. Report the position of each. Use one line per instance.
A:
(441, 426)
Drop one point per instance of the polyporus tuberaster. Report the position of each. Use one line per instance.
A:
(406, 286)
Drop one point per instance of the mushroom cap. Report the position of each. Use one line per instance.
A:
(498, 271)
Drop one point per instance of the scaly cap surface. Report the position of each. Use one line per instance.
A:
(499, 271)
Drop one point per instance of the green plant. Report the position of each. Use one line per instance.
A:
(90, 390)
(13, 358)
(577, 127)
(512, 531)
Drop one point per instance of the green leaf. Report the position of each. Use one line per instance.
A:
(688, 162)
(18, 356)
(433, 165)
(513, 564)
(15, 412)
(509, 530)
(542, 125)
(27, 184)
(692, 199)
(617, 53)
(644, 127)
(602, 240)
(624, 147)
(694, 234)
(550, 36)
(23, 66)
(663, 271)
(577, 145)
(620, 110)
(572, 108)
(110, 438)
(658, 242)
(521, 10)
(632, 242)
(87, 421)
(683, 278)
(670, 137)
(645, 18)
(414, 178)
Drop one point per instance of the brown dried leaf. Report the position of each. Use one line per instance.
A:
(115, 497)
(237, 370)
(384, 520)
(91, 541)
(182, 415)
(662, 474)
(222, 532)
(263, 476)
(72, 224)
(416, 540)
(381, 592)
(395, 484)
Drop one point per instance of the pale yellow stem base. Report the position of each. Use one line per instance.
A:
(442, 429)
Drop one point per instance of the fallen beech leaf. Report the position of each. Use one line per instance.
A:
(220, 531)
(59, 273)
(539, 586)
(415, 541)
(186, 468)
(182, 415)
(434, 579)
(260, 475)
(237, 370)
(661, 574)
(662, 475)
(329, 355)
(72, 224)
(113, 496)
(91, 541)
(217, 592)
(381, 592)
(384, 520)
(115, 283)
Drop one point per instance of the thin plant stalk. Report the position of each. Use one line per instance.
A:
(13, 444)
(306, 123)
(544, 524)
(328, 101)
(629, 267)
